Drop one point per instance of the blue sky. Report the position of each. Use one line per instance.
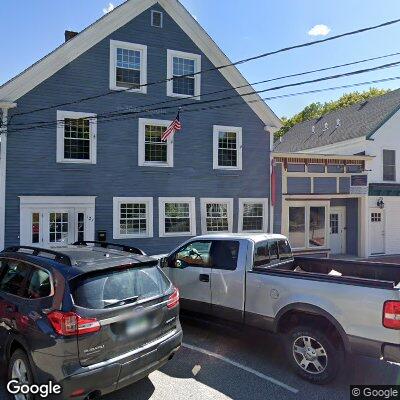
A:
(242, 28)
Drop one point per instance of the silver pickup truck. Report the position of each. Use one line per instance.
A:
(323, 307)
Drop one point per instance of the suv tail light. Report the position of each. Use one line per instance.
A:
(173, 300)
(70, 323)
(391, 314)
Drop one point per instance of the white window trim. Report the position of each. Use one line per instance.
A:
(197, 78)
(204, 201)
(264, 202)
(61, 116)
(192, 215)
(161, 19)
(238, 131)
(395, 166)
(114, 45)
(307, 205)
(141, 144)
(117, 201)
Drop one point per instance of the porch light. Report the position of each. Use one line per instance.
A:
(380, 203)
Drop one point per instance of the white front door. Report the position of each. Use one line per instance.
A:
(377, 230)
(55, 224)
(337, 224)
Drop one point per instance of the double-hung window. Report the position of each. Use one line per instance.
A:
(253, 215)
(128, 66)
(76, 137)
(216, 215)
(133, 217)
(389, 165)
(182, 74)
(177, 216)
(152, 150)
(227, 147)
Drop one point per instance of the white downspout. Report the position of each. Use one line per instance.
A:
(3, 164)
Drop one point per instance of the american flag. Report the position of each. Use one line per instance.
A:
(173, 127)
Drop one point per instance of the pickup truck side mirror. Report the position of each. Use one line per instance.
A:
(171, 262)
(178, 264)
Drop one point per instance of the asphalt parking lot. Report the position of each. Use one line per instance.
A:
(219, 362)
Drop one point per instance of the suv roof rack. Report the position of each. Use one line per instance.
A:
(36, 251)
(106, 245)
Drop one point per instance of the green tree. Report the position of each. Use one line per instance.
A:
(316, 110)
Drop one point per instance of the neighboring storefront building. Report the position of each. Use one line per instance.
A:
(321, 202)
(370, 128)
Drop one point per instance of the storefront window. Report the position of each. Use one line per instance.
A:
(297, 232)
(316, 236)
(307, 226)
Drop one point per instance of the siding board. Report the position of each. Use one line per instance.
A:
(31, 158)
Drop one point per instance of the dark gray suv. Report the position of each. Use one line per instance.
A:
(91, 317)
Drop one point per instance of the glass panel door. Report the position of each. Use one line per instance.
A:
(58, 227)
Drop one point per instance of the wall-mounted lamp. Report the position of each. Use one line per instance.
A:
(380, 203)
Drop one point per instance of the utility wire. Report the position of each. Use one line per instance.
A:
(197, 103)
(257, 57)
(260, 82)
(130, 117)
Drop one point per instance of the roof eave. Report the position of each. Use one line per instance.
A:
(322, 156)
(99, 30)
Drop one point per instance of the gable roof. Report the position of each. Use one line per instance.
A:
(67, 52)
(358, 120)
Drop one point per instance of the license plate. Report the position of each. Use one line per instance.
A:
(137, 326)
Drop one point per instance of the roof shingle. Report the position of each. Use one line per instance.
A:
(358, 120)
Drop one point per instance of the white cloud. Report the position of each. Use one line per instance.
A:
(109, 8)
(319, 30)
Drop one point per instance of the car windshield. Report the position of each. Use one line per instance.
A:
(111, 288)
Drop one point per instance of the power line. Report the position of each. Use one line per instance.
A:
(42, 124)
(121, 118)
(263, 55)
(263, 81)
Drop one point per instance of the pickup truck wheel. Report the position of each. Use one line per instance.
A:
(313, 355)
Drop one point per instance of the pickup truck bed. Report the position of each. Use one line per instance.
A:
(321, 307)
(365, 273)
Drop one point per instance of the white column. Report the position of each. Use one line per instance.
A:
(3, 164)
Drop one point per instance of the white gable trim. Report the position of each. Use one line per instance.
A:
(69, 51)
(207, 45)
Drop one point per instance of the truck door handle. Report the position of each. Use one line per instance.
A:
(204, 278)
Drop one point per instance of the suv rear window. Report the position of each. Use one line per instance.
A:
(104, 289)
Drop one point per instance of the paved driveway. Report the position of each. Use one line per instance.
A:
(222, 363)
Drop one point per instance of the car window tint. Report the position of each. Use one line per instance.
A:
(104, 289)
(13, 277)
(39, 284)
(273, 251)
(261, 254)
(285, 252)
(195, 254)
(224, 254)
